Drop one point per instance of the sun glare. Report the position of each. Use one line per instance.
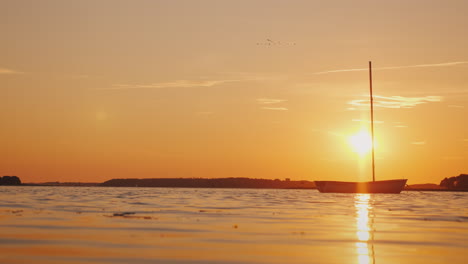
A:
(361, 142)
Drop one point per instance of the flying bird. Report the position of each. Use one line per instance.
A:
(270, 42)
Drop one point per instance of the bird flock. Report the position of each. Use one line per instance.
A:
(270, 42)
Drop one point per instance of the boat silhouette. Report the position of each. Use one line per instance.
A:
(386, 186)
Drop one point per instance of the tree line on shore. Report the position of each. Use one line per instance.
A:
(211, 183)
(459, 182)
(10, 180)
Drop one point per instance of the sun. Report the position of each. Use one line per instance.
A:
(361, 142)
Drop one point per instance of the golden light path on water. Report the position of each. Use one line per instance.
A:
(364, 232)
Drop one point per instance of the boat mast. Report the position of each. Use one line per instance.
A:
(372, 119)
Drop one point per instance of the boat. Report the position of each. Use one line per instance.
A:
(385, 186)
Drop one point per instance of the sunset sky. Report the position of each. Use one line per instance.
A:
(94, 90)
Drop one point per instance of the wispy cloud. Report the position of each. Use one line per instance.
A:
(455, 106)
(270, 101)
(343, 70)
(275, 108)
(419, 143)
(444, 64)
(9, 71)
(399, 125)
(173, 84)
(396, 101)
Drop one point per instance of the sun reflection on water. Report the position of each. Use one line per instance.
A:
(364, 246)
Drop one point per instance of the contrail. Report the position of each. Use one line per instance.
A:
(445, 64)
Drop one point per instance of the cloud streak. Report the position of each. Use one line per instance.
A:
(9, 71)
(270, 101)
(396, 101)
(456, 106)
(399, 125)
(444, 64)
(275, 108)
(173, 84)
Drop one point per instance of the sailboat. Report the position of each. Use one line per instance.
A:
(387, 186)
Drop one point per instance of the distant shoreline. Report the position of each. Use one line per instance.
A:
(211, 183)
(223, 183)
(45, 185)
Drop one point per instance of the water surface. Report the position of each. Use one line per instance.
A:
(177, 225)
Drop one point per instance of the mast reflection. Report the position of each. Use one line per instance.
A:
(364, 232)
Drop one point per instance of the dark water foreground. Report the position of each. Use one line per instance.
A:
(164, 225)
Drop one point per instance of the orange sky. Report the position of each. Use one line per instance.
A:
(94, 90)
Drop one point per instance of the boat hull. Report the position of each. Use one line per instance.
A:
(388, 186)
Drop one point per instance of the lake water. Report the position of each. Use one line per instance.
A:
(176, 225)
